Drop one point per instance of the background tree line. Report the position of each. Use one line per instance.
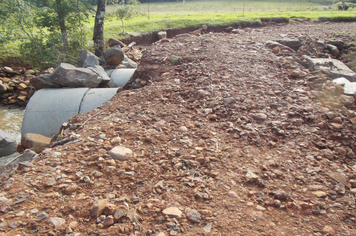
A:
(51, 31)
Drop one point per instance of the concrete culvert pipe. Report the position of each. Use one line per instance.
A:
(48, 109)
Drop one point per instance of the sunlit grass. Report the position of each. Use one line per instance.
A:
(160, 16)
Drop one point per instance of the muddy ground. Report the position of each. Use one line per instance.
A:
(227, 138)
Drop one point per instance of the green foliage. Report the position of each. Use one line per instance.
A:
(126, 11)
(17, 17)
(42, 52)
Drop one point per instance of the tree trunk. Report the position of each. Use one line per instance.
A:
(62, 24)
(99, 28)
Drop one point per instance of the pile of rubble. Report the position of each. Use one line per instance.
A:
(227, 136)
(15, 88)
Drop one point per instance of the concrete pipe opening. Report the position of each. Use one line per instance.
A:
(48, 109)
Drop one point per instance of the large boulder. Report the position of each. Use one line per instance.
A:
(68, 75)
(292, 43)
(114, 56)
(331, 67)
(101, 74)
(8, 144)
(338, 43)
(87, 59)
(43, 81)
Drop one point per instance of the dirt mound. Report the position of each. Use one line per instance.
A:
(227, 138)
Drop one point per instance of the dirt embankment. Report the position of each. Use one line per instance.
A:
(225, 140)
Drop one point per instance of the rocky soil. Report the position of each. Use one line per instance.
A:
(220, 136)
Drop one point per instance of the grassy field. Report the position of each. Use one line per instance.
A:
(160, 16)
(157, 16)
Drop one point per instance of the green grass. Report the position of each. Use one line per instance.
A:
(159, 16)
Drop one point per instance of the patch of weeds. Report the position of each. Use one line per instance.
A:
(176, 60)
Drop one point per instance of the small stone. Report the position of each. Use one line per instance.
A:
(183, 129)
(8, 69)
(232, 194)
(352, 183)
(328, 230)
(162, 34)
(33, 211)
(213, 117)
(207, 228)
(193, 215)
(115, 140)
(328, 154)
(320, 194)
(121, 153)
(70, 189)
(251, 177)
(336, 125)
(260, 208)
(99, 206)
(259, 116)
(109, 221)
(298, 122)
(173, 212)
(43, 215)
(49, 182)
(15, 224)
(57, 221)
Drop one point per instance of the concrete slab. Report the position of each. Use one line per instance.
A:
(119, 77)
(332, 67)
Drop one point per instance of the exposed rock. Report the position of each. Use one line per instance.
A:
(8, 70)
(87, 59)
(333, 50)
(282, 48)
(162, 34)
(121, 153)
(115, 42)
(114, 55)
(8, 144)
(173, 212)
(338, 43)
(128, 63)
(193, 215)
(295, 44)
(102, 75)
(99, 207)
(3, 88)
(43, 81)
(67, 75)
(320, 194)
(57, 221)
(27, 155)
(332, 67)
(35, 141)
(232, 194)
(328, 230)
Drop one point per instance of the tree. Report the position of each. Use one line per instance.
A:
(17, 17)
(99, 28)
(64, 15)
(126, 11)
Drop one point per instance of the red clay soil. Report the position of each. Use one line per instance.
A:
(227, 137)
